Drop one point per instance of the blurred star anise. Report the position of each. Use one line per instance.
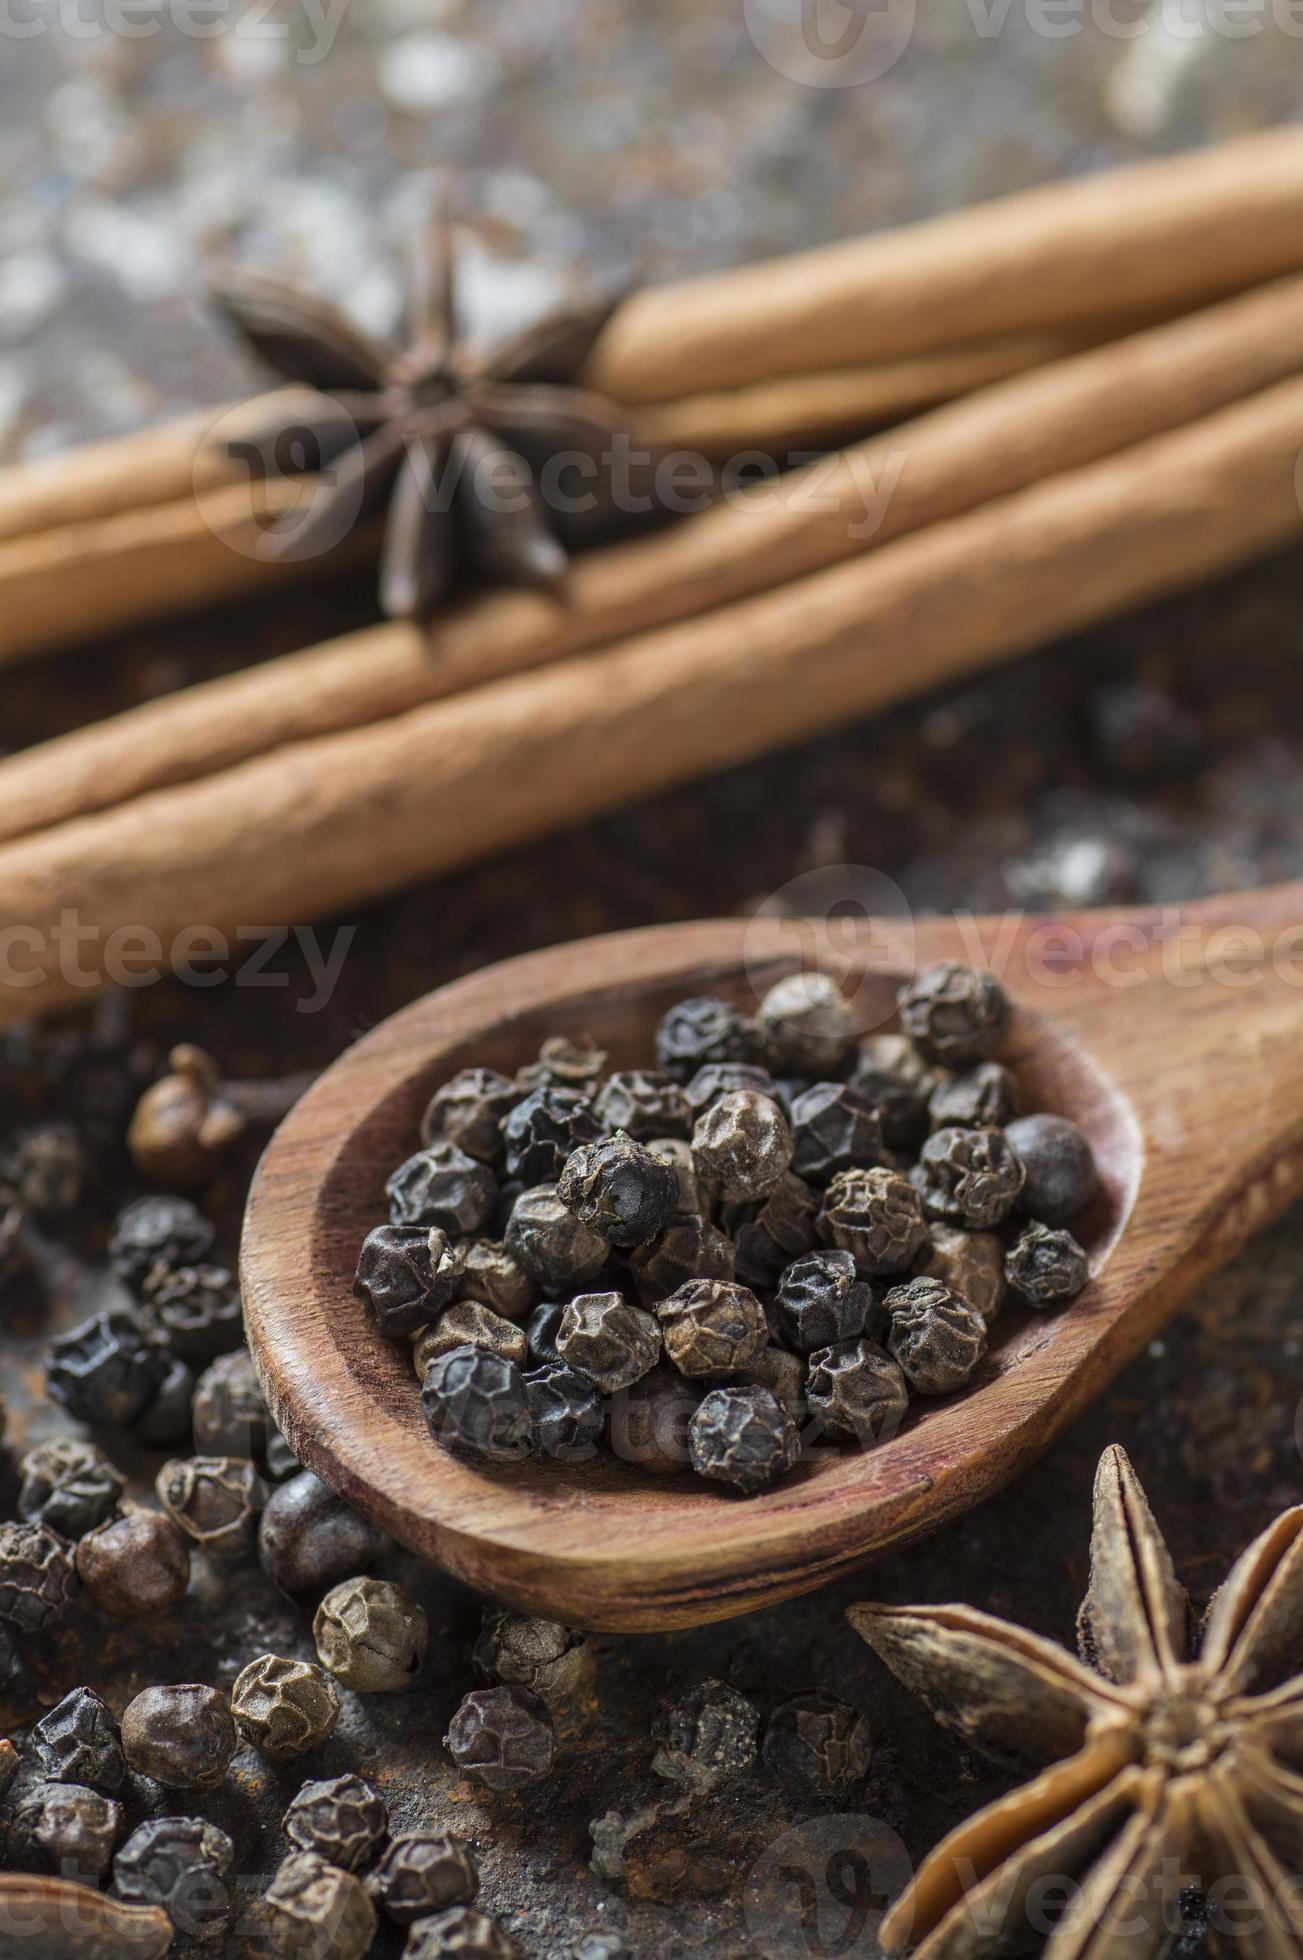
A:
(455, 439)
(1171, 1775)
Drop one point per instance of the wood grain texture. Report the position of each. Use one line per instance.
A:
(1187, 1076)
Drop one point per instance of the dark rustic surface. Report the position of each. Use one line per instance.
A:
(996, 794)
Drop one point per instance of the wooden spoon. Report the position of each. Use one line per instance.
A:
(1175, 1038)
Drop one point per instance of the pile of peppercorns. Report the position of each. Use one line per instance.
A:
(773, 1239)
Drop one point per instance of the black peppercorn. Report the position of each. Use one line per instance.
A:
(541, 1332)
(783, 1374)
(970, 1264)
(857, 1392)
(496, 1278)
(708, 1735)
(877, 1216)
(979, 1098)
(718, 1079)
(645, 1103)
(553, 1246)
(468, 1111)
(461, 1933)
(937, 1338)
(835, 1128)
(37, 1577)
(619, 1189)
(158, 1231)
(424, 1872)
(66, 1829)
(742, 1146)
(228, 1410)
(68, 1484)
(309, 1539)
(649, 1422)
(503, 1737)
(135, 1567)
(44, 1166)
(954, 1014)
(891, 1075)
(184, 1865)
(371, 1635)
(820, 1301)
(442, 1186)
(405, 1275)
(567, 1411)
(969, 1177)
(105, 1371)
(564, 1064)
(194, 1310)
(343, 1820)
(315, 1911)
(742, 1437)
(817, 1739)
(541, 1655)
(285, 1708)
(183, 1737)
(608, 1341)
(807, 1025)
(1060, 1165)
(689, 1248)
(704, 1030)
(1045, 1266)
(468, 1324)
(712, 1327)
(475, 1402)
(77, 1742)
(769, 1235)
(542, 1131)
(215, 1500)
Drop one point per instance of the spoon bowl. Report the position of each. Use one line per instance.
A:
(1189, 1085)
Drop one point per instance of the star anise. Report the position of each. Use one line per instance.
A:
(455, 439)
(1170, 1776)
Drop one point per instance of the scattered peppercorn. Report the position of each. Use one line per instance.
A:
(194, 1310)
(315, 1911)
(309, 1539)
(1046, 1267)
(183, 1737)
(541, 1655)
(468, 1324)
(228, 1410)
(954, 1014)
(619, 1189)
(44, 1165)
(742, 1437)
(503, 1737)
(553, 1246)
(608, 1341)
(543, 1130)
(707, 1736)
(371, 1635)
(475, 1402)
(405, 1275)
(877, 1216)
(184, 1865)
(742, 1146)
(343, 1820)
(1062, 1177)
(105, 1371)
(166, 1422)
(424, 1872)
(969, 1177)
(37, 1577)
(857, 1392)
(821, 1301)
(468, 1111)
(567, 1412)
(283, 1707)
(937, 1338)
(158, 1231)
(77, 1742)
(712, 1327)
(136, 1566)
(807, 1025)
(66, 1829)
(215, 1500)
(817, 1739)
(68, 1484)
(461, 1933)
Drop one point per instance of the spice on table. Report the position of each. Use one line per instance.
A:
(228, 1410)
(315, 1911)
(285, 1708)
(68, 1484)
(742, 1437)
(136, 1566)
(712, 1327)
(343, 1820)
(193, 1310)
(309, 1539)
(503, 1737)
(566, 1411)
(475, 1401)
(105, 1371)
(38, 1579)
(183, 1864)
(548, 1659)
(154, 1231)
(185, 1123)
(371, 1635)
(215, 1500)
(64, 1828)
(44, 1166)
(182, 1736)
(816, 1739)
(78, 1742)
(461, 1933)
(706, 1737)
(421, 1873)
(166, 1422)
(1161, 1750)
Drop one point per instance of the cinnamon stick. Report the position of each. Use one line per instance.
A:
(331, 823)
(968, 453)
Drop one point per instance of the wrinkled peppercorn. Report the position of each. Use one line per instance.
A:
(543, 1130)
(954, 1014)
(343, 1820)
(937, 1338)
(877, 1216)
(783, 1374)
(158, 1231)
(835, 1128)
(742, 1437)
(541, 1333)
(817, 1739)
(475, 1402)
(44, 1165)
(820, 1301)
(551, 1244)
(1061, 1174)
(971, 1264)
(619, 1189)
(442, 1186)
(184, 1865)
(315, 1911)
(194, 1310)
(742, 1146)
(891, 1075)
(468, 1111)
(542, 1656)
(807, 1025)
(309, 1539)
(969, 1177)
(503, 1737)
(712, 1327)
(424, 1872)
(405, 1275)
(461, 1933)
(104, 1371)
(215, 1500)
(77, 1742)
(643, 1102)
(183, 1737)
(68, 1484)
(66, 1829)
(769, 1235)
(649, 1422)
(564, 1064)
(608, 1341)
(135, 1567)
(496, 1278)
(567, 1411)
(468, 1324)
(980, 1098)
(37, 1577)
(284, 1708)
(856, 1391)
(229, 1410)
(1045, 1266)
(689, 1248)
(719, 1079)
(704, 1030)
(371, 1635)
(166, 1422)
(708, 1735)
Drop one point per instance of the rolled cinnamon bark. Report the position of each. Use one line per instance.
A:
(331, 823)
